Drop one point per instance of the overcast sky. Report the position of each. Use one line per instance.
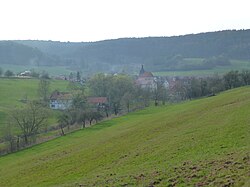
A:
(92, 20)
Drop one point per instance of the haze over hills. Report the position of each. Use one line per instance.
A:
(158, 53)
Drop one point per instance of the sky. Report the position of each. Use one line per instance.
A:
(94, 20)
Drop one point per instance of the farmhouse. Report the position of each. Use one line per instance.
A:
(63, 101)
(60, 100)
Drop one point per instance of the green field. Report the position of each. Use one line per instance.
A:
(12, 91)
(196, 143)
(52, 70)
(235, 65)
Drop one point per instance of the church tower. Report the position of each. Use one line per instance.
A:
(142, 70)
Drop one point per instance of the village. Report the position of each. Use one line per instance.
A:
(83, 102)
(144, 80)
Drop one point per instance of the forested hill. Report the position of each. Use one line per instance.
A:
(19, 54)
(156, 52)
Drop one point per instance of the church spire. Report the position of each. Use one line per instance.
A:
(142, 70)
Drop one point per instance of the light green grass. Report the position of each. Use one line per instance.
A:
(205, 141)
(13, 90)
(52, 70)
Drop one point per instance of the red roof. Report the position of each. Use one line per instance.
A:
(96, 100)
(147, 74)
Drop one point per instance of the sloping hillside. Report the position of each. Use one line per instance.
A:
(201, 142)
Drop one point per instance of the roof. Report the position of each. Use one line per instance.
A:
(147, 74)
(96, 100)
(56, 95)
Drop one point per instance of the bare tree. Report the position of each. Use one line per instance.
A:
(63, 122)
(9, 136)
(43, 89)
(1, 71)
(30, 119)
(127, 99)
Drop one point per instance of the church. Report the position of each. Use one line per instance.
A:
(146, 79)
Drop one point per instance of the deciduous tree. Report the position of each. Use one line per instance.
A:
(30, 119)
(43, 89)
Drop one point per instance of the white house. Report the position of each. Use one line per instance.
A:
(60, 100)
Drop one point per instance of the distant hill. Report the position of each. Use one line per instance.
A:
(19, 54)
(203, 142)
(158, 53)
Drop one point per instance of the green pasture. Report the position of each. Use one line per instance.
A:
(204, 142)
(14, 90)
(52, 70)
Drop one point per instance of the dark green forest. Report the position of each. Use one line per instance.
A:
(158, 53)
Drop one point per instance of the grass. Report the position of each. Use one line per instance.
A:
(13, 90)
(196, 143)
(235, 65)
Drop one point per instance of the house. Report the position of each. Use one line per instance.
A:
(146, 79)
(99, 102)
(25, 74)
(63, 101)
(60, 100)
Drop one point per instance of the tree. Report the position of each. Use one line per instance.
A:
(65, 120)
(215, 84)
(34, 74)
(245, 77)
(164, 96)
(195, 87)
(79, 101)
(100, 84)
(232, 79)
(82, 118)
(78, 76)
(43, 89)
(91, 115)
(143, 96)
(127, 98)
(158, 91)
(8, 73)
(120, 85)
(44, 75)
(9, 136)
(1, 71)
(97, 116)
(30, 119)
(113, 87)
(71, 76)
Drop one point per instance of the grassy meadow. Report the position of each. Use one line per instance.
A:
(52, 70)
(13, 90)
(196, 143)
